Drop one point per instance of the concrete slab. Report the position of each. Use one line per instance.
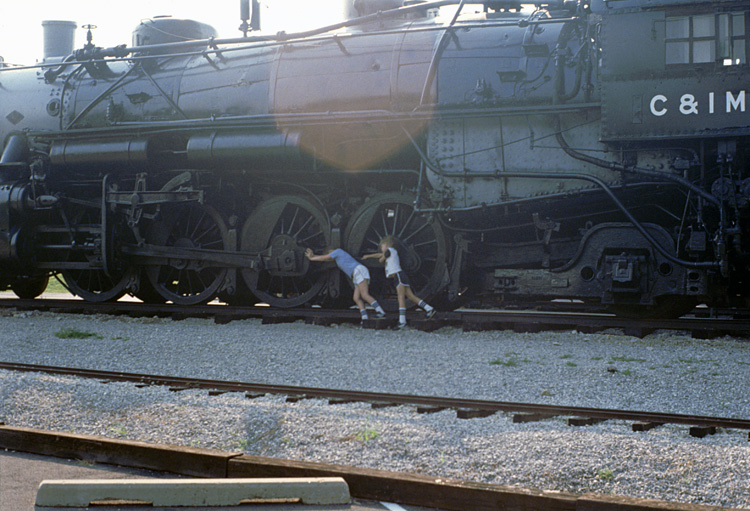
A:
(193, 492)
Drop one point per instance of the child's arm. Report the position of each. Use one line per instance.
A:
(377, 255)
(323, 257)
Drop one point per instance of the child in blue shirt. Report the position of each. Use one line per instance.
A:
(358, 273)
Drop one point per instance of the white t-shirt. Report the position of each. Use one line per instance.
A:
(392, 262)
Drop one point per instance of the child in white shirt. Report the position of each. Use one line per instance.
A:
(389, 255)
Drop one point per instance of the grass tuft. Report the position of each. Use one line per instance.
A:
(72, 333)
(605, 474)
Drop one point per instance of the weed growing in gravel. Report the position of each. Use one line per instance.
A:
(366, 434)
(511, 360)
(626, 359)
(118, 429)
(72, 333)
(240, 443)
(605, 474)
(694, 361)
(571, 364)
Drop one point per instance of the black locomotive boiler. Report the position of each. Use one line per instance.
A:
(593, 150)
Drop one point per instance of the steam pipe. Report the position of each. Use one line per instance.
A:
(442, 44)
(246, 14)
(120, 53)
(583, 177)
(622, 168)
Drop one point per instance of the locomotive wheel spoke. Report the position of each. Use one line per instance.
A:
(281, 229)
(189, 282)
(421, 244)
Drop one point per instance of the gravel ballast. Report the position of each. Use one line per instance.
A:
(665, 372)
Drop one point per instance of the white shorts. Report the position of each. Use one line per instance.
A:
(360, 274)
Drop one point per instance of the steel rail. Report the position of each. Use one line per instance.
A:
(524, 320)
(387, 398)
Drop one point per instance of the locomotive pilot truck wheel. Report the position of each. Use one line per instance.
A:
(91, 283)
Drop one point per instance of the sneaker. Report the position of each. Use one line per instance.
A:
(399, 326)
(430, 313)
(379, 315)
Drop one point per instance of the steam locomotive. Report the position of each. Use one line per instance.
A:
(586, 149)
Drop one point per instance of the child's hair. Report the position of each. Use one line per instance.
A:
(388, 240)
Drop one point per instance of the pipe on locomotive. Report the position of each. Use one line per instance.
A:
(624, 168)
(120, 52)
(573, 176)
(439, 49)
(253, 16)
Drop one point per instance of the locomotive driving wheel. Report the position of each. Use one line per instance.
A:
(420, 242)
(280, 229)
(95, 284)
(188, 281)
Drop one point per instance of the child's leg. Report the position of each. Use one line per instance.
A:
(401, 292)
(364, 291)
(411, 296)
(357, 297)
(421, 303)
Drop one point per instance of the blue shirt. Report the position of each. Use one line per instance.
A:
(344, 261)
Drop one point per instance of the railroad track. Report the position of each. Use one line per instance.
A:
(700, 426)
(703, 324)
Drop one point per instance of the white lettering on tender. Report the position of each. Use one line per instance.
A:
(736, 103)
(662, 99)
(659, 104)
(688, 105)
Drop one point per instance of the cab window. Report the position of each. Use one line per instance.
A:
(707, 38)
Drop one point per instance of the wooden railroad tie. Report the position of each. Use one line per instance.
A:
(584, 421)
(473, 413)
(645, 426)
(520, 418)
(431, 409)
(702, 431)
